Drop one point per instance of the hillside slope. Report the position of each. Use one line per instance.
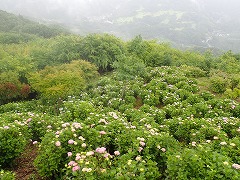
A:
(11, 23)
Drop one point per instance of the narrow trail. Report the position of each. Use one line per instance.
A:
(24, 168)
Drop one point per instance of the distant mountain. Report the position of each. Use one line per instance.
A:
(14, 24)
(184, 23)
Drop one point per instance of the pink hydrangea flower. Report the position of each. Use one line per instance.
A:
(142, 143)
(106, 155)
(6, 127)
(236, 166)
(71, 163)
(140, 149)
(101, 150)
(71, 141)
(29, 120)
(35, 142)
(75, 168)
(84, 145)
(69, 154)
(117, 153)
(78, 158)
(58, 143)
(102, 132)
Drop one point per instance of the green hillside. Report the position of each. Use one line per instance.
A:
(98, 107)
(22, 28)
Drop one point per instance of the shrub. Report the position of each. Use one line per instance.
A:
(6, 175)
(200, 163)
(14, 137)
(218, 84)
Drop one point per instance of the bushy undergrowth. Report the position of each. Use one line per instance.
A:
(7, 175)
(157, 126)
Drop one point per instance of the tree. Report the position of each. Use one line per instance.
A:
(102, 50)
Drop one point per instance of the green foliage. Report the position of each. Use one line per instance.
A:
(76, 110)
(129, 67)
(102, 50)
(228, 63)
(152, 118)
(14, 137)
(200, 163)
(55, 51)
(13, 38)
(218, 84)
(60, 81)
(194, 72)
(7, 175)
(21, 26)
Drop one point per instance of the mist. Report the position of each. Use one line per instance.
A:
(184, 23)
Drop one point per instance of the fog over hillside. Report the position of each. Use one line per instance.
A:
(184, 23)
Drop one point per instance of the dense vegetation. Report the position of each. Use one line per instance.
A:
(17, 29)
(101, 108)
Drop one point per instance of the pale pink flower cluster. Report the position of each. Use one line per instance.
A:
(142, 143)
(102, 132)
(74, 165)
(84, 145)
(65, 125)
(75, 168)
(6, 127)
(107, 155)
(140, 149)
(194, 143)
(69, 154)
(236, 166)
(101, 150)
(78, 157)
(71, 141)
(116, 153)
(35, 142)
(90, 153)
(77, 125)
(29, 120)
(57, 143)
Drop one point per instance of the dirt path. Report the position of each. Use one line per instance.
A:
(24, 168)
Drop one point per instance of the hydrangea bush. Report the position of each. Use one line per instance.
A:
(158, 126)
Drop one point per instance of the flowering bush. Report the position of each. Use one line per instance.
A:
(14, 137)
(158, 126)
(200, 163)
